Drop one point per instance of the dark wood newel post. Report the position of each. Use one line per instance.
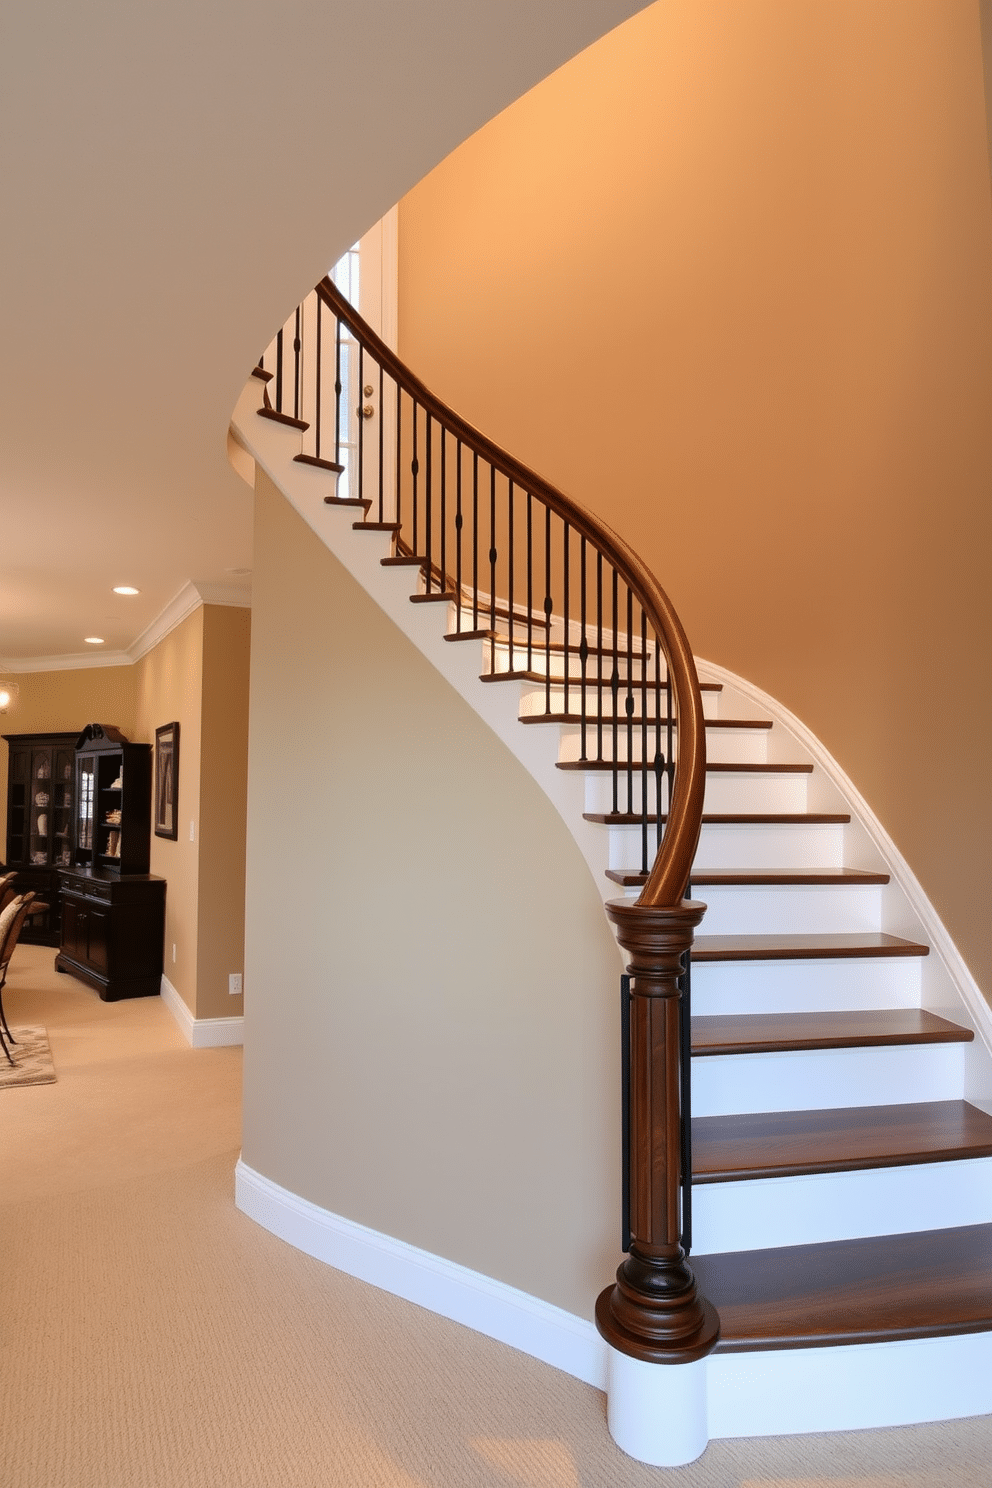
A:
(654, 1311)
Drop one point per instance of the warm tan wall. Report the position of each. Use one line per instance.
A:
(432, 986)
(223, 806)
(727, 277)
(170, 685)
(59, 702)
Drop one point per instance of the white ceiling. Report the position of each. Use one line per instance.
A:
(173, 179)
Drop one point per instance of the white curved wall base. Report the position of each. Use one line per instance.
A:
(657, 1413)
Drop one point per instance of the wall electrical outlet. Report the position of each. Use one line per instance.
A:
(192, 831)
(234, 984)
(173, 953)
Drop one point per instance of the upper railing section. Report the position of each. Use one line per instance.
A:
(556, 597)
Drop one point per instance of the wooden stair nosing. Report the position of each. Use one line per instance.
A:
(436, 596)
(376, 526)
(777, 1033)
(713, 948)
(879, 1289)
(319, 463)
(593, 720)
(469, 635)
(638, 767)
(283, 418)
(760, 878)
(261, 374)
(788, 1144)
(725, 819)
(593, 684)
(347, 501)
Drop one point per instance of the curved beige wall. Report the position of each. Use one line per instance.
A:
(432, 1040)
(727, 278)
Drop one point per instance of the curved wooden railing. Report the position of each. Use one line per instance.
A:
(557, 599)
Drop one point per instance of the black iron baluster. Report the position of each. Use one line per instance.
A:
(583, 649)
(548, 609)
(599, 654)
(625, 1113)
(318, 372)
(428, 501)
(493, 551)
(685, 1092)
(509, 539)
(399, 458)
(415, 472)
(382, 435)
(475, 555)
(615, 689)
(279, 362)
(645, 762)
(444, 510)
(530, 582)
(361, 422)
(297, 348)
(337, 391)
(458, 532)
(566, 542)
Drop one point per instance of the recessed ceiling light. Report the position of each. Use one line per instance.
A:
(125, 589)
(93, 640)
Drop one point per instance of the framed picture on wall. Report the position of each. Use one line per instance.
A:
(167, 781)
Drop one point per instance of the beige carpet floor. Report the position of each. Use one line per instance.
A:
(153, 1337)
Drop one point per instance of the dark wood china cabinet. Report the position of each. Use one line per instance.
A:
(40, 796)
(113, 909)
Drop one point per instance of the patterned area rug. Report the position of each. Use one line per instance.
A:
(32, 1059)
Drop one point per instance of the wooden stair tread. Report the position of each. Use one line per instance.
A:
(777, 1144)
(284, 418)
(722, 818)
(320, 463)
(592, 720)
(765, 877)
(761, 1033)
(874, 1290)
(623, 767)
(801, 947)
(593, 684)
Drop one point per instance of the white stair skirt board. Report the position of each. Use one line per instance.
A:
(202, 1033)
(491, 1307)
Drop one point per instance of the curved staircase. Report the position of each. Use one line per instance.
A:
(841, 1080)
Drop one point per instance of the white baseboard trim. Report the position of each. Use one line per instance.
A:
(490, 1307)
(202, 1033)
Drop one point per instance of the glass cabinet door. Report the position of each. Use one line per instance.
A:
(41, 808)
(62, 807)
(85, 802)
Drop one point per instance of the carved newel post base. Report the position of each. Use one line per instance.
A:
(654, 1313)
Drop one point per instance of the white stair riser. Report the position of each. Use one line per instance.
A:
(823, 1079)
(789, 1391)
(736, 793)
(790, 909)
(766, 1212)
(743, 845)
(823, 986)
(723, 746)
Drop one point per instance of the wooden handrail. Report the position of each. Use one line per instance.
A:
(669, 875)
(616, 633)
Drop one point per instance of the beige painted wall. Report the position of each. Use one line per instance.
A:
(59, 702)
(170, 684)
(727, 278)
(432, 986)
(223, 806)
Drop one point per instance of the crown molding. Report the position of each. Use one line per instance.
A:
(189, 598)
